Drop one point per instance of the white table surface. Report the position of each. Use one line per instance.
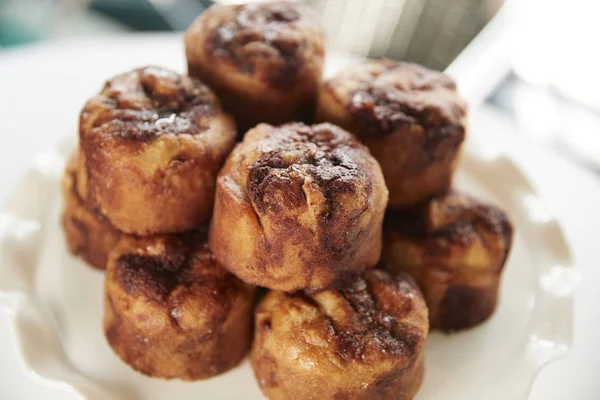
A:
(42, 88)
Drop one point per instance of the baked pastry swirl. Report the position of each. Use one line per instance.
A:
(298, 206)
(264, 60)
(172, 311)
(87, 234)
(456, 248)
(411, 118)
(152, 143)
(365, 341)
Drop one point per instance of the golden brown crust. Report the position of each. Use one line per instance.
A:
(298, 206)
(87, 234)
(411, 118)
(172, 311)
(152, 143)
(456, 248)
(264, 60)
(365, 341)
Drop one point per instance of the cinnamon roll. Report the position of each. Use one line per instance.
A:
(365, 341)
(456, 248)
(171, 311)
(152, 143)
(411, 118)
(264, 60)
(298, 206)
(87, 234)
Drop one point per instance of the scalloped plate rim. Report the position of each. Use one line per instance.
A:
(14, 300)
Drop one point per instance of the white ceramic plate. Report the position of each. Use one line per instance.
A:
(56, 301)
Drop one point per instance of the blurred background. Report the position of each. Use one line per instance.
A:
(533, 60)
(431, 32)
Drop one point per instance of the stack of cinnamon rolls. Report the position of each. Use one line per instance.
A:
(336, 198)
